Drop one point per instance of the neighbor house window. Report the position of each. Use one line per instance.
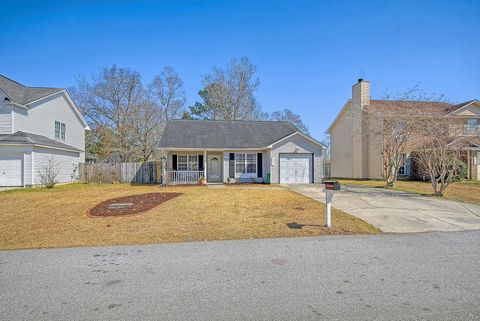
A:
(60, 129)
(245, 163)
(402, 170)
(187, 162)
(400, 130)
(472, 126)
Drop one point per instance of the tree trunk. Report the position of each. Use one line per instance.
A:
(391, 177)
(390, 183)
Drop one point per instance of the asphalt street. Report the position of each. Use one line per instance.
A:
(423, 276)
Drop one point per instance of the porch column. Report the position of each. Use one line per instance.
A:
(205, 165)
(469, 174)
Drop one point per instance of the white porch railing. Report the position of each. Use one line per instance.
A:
(184, 177)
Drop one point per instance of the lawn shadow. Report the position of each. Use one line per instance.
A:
(298, 226)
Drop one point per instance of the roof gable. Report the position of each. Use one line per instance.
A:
(224, 134)
(339, 115)
(21, 94)
(467, 109)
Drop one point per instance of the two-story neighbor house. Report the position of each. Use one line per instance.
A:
(39, 127)
(356, 153)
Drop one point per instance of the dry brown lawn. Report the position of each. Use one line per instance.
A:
(40, 218)
(467, 191)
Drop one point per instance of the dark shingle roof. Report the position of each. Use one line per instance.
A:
(21, 94)
(458, 106)
(23, 138)
(228, 134)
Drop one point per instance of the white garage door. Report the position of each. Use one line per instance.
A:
(10, 170)
(295, 168)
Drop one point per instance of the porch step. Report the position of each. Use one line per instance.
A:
(215, 185)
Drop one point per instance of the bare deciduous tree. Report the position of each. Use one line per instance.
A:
(394, 123)
(108, 102)
(167, 91)
(229, 93)
(439, 152)
(291, 117)
(147, 127)
(126, 119)
(48, 174)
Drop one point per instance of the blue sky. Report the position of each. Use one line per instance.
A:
(308, 53)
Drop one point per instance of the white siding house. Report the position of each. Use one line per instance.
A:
(38, 127)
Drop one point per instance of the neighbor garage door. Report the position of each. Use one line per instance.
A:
(295, 168)
(10, 170)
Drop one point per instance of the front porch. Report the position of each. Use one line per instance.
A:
(212, 167)
(192, 167)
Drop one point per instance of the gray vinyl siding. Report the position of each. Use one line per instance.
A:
(40, 119)
(300, 145)
(27, 167)
(64, 160)
(5, 117)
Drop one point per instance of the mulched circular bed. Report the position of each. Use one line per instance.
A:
(130, 205)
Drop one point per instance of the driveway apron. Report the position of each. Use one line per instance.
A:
(399, 212)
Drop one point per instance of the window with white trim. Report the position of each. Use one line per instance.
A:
(245, 163)
(187, 162)
(402, 169)
(60, 130)
(400, 130)
(472, 126)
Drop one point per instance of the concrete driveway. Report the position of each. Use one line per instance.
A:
(399, 212)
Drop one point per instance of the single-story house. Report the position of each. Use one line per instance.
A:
(240, 151)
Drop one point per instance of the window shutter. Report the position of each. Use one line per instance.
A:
(259, 165)
(231, 166)
(174, 162)
(200, 163)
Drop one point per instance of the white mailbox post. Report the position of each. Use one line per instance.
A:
(330, 189)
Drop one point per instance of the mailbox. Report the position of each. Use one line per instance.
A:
(332, 186)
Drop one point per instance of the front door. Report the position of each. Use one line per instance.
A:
(214, 168)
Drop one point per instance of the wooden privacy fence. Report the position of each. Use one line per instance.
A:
(142, 173)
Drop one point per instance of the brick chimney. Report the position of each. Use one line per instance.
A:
(361, 93)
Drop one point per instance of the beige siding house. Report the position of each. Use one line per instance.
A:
(357, 153)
